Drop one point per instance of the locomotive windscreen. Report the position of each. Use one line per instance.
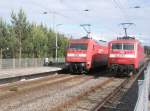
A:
(78, 46)
(116, 46)
(128, 46)
(124, 46)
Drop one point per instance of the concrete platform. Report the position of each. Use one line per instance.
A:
(10, 73)
(149, 105)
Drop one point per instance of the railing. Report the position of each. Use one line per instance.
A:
(143, 92)
(26, 62)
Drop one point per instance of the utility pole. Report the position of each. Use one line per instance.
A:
(125, 27)
(54, 13)
(56, 43)
(53, 28)
(20, 48)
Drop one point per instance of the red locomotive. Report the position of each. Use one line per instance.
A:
(85, 53)
(126, 54)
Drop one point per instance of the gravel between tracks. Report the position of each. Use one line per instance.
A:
(91, 100)
(49, 97)
(14, 90)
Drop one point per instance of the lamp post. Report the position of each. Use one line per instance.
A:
(54, 13)
(53, 27)
(53, 18)
(56, 43)
(56, 26)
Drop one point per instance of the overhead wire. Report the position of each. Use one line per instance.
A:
(73, 9)
(56, 12)
(48, 10)
(117, 4)
(76, 10)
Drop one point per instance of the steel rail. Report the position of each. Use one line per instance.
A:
(33, 85)
(79, 96)
(101, 103)
(30, 81)
(118, 89)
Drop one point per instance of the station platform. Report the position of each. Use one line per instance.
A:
(149, 105)
(12, 73)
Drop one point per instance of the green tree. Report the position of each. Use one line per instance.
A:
(62, 44)
(20, 26)
(22, 39)
(39, 42)
(4, 34)
(51, 43)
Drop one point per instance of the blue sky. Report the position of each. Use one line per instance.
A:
(103, 15)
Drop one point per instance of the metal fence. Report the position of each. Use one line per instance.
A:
(26, 62)
(143, 92)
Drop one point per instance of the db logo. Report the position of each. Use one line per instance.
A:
(100, 50)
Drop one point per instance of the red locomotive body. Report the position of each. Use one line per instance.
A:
(125, 55)
(84, 54)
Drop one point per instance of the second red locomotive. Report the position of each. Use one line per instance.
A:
(84, 54)
(125, 55)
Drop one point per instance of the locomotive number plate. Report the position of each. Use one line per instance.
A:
(120, 55)
(76, 55)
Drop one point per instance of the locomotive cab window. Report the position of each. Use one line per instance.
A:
(116, 46)
(119, 46)
(128, 46)
(78, 46)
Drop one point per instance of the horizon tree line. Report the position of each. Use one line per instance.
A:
(22, 39)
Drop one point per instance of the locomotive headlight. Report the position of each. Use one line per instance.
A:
(83, 64)
(67, 64)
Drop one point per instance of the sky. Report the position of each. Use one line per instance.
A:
(104, 16)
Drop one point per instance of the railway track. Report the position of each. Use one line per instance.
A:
(22, 86)
(61, 93)
(87, 100)
(96, 98)
(37, 83)
(115, 100)
(23, 92)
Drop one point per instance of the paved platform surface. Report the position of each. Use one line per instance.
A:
(9, 73)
